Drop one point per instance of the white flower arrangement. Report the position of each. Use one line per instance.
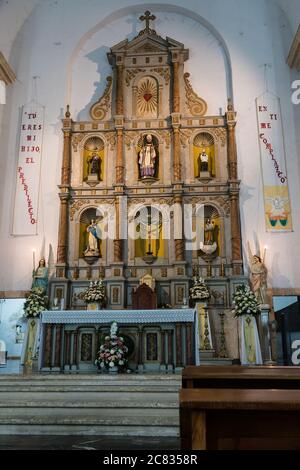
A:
(245, 302)
(95, 292)
(199, 291)
(36, 302)
(113, 350)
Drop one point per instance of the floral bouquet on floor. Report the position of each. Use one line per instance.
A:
(95, 292)
(245, 302)
(199, 291)
(36, 302)
(112, 352)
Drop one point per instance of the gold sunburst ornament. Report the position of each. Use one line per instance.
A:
(147, 98)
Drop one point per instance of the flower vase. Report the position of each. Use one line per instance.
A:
(113, 370)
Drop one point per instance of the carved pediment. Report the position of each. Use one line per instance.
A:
(148, 47)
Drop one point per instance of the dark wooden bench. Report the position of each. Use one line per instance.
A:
(220, 419)
(258, 377)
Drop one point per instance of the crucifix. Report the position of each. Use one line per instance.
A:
(147, 17)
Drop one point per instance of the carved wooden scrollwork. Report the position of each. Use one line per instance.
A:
(76, 139)
(163, 72)
(99, 110)
(131, 73)
(77, 205)
(196, 105)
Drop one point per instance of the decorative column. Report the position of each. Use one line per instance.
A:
(265, 337)
(236, 251)
(140, 349)
(64, 197)
(119, 88)
(176, 120)
(176, 94)
(176, 155)
(178, 237)
(119, 176)
(178, 229)
(117, 241)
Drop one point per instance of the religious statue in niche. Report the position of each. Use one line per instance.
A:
(92, 248)
(258, 275)
(147, 158)
(210, 244)
(40, 275)
(94, 168)
(203, 164)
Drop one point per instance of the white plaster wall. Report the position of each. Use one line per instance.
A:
(64, 42)
(11, 313)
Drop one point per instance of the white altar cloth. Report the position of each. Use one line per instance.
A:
(122, 317)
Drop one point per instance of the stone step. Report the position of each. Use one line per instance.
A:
(82, 429)
(92, 377)
(88, 389)
(134, 415)
(90, 405)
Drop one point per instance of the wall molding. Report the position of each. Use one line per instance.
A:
(7, 75)
(13, 294)
(293, 59)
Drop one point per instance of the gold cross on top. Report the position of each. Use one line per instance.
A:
(147, 17)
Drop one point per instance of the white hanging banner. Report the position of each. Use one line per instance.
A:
(277, 207)
(28, 170)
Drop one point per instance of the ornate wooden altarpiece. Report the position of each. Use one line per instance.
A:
(149, 93)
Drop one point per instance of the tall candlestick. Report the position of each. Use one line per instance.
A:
(33, 259)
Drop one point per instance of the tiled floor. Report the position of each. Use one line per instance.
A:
(88, 443)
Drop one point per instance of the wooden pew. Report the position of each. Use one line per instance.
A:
(223, 419)
(256, 377)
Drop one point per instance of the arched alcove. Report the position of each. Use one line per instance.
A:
(93, 160)
(147, 97)
(91, 233)
(204, 155)
(142, 142)
(149, 233)
(209, 228)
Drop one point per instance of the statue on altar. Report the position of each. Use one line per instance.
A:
(147, 158)
(93, 237)
(209, 232)
(40, 275)
(258, 275)
(210, 245)
(203, 162)
(94, 166)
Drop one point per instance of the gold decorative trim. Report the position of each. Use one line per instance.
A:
(196, 105)
(166, 136)
(185, 136)
(13, 294)
(77, 205)
(99, 110)
(221, 202)
(111, 139)
(7, 75)
(129, 138)
(163, 72)
(220, 134)
(131, 73)
(76, 139)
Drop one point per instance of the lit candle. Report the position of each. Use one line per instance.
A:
(265, 250)
(33, 258)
